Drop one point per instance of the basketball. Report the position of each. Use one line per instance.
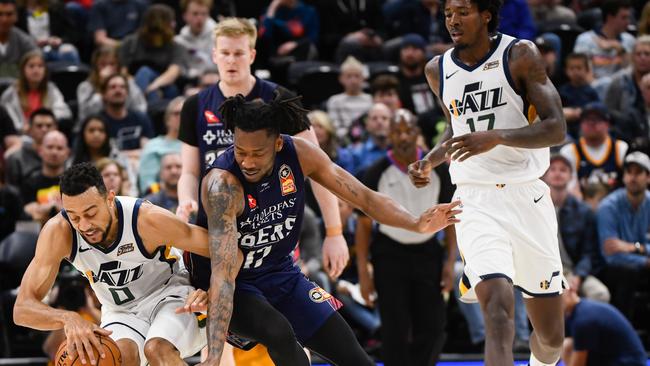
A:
(113, 355)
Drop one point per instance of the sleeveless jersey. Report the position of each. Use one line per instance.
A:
(484, 97)
(124, 274)
(608, 170)
(212, 134)
(269, 227)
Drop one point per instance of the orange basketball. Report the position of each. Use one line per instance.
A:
(113, 355)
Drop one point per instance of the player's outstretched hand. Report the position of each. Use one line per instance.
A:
(81, 337)
(335, 255)
(186, 208)
(438, 217)
(197, 301)
(462, 147)
(420, 172)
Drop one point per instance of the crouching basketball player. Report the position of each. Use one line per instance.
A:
(254, 196)
(126, 248)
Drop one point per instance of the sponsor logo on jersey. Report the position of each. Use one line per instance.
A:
(287, 183)
(491, 65)
(319, 295)
(211, 118)
(218, 137)
(252, 202)
(476, 99)
(123, 249)
(268, 214)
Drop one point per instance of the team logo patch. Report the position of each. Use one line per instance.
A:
(491, 65)
(546, 284)
(287, 182)
(211, 118)
(252, 202)
(126, 248)
(319, 295)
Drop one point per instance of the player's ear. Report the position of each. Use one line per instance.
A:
(487, 16)
(279, 142)
(110, 198)
(253, 53)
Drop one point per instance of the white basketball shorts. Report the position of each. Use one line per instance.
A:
(155, 317)
(509, 231)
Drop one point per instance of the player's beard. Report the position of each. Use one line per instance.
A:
(102, 241)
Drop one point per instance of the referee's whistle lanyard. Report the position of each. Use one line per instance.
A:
(419, 154)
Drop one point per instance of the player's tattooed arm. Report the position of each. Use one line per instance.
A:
(529, 73)
(380, 207)
(223, 198)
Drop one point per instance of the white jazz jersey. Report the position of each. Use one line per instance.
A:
(484, 97)
(123, 274)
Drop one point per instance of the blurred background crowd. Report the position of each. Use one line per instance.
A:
(105, 80)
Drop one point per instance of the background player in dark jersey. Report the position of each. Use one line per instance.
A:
(254, 197)
(204, 137)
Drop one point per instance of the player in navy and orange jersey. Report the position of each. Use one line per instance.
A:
(254, 198)
(204, 138)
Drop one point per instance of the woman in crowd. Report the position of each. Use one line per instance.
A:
(104, 62)
(326, 135)
(152, 55)
(115, 177)
(32, 91)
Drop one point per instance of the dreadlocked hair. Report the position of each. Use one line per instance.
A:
(277, 116)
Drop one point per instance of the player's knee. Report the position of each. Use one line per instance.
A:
(498, 311)
(129, 352)
(278, 335)
(159, 348)
(552, 337)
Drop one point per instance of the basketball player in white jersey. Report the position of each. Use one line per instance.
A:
(503, 114)
(123, 246)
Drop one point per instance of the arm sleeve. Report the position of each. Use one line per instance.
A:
(179, 53)
(189, 117)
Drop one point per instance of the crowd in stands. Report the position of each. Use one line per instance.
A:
(104, 81)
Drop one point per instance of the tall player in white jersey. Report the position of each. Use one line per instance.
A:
(126, 248)
(503, 114)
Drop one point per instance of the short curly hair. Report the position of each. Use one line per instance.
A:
(493, 6)
(79, 178)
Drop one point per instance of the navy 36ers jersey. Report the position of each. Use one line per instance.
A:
(269, 228)
(484, 97)
(124, 274)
